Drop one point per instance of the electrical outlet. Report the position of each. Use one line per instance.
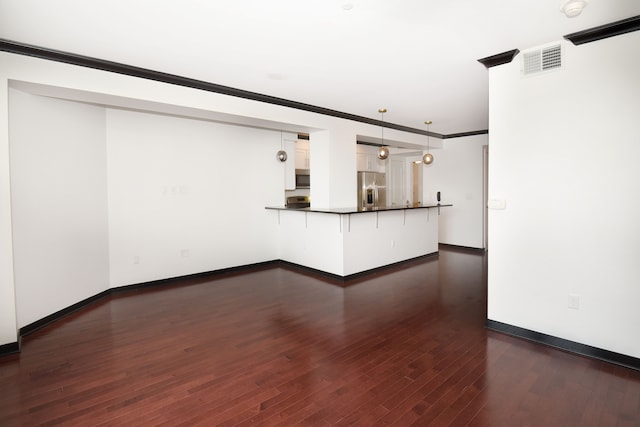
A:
(574, 301)
(184, 253)
(136, 259)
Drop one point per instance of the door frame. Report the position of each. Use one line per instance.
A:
(485, 197)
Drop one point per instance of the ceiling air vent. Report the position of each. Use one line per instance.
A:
(545, 59)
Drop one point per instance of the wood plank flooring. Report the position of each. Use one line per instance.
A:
(278, 347)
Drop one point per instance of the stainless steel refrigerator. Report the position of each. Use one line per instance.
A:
(372, 190)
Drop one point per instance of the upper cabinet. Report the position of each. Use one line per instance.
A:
(367, 159)
(302, 154)
(289, 145)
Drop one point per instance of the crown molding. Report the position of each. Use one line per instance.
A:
(499, 59)
(463, 134)
(605, 31)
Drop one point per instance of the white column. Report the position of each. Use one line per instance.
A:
(8, 324)
(333, 168)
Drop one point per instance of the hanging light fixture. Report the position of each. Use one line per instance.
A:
(383, 151)
(281, 154)
(427, 159)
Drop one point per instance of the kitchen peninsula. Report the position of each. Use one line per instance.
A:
(347, 241)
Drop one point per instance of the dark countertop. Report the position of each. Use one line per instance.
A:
(356, 210)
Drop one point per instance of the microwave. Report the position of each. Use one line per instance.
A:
(303, 178)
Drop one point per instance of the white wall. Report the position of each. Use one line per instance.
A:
(564, 149)
(188, 196)
(59, 204)
(174, 185)
(457, 173)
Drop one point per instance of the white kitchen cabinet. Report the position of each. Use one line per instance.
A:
(370, 162)
(362, 162)
(302, 154)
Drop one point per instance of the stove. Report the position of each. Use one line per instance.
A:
(298, 202)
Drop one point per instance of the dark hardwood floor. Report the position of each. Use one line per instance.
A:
(283, 347)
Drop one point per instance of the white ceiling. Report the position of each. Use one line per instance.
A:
(417, 58)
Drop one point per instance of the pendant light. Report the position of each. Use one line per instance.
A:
(427, 159)
(383, 152)
(281, 154)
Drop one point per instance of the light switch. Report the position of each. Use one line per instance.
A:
(574, 301)
(497, 204)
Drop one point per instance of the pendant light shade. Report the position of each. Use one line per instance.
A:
(383, 151)
(427, 159)
(281, 155)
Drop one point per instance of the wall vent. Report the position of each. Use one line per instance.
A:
(544, 59)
